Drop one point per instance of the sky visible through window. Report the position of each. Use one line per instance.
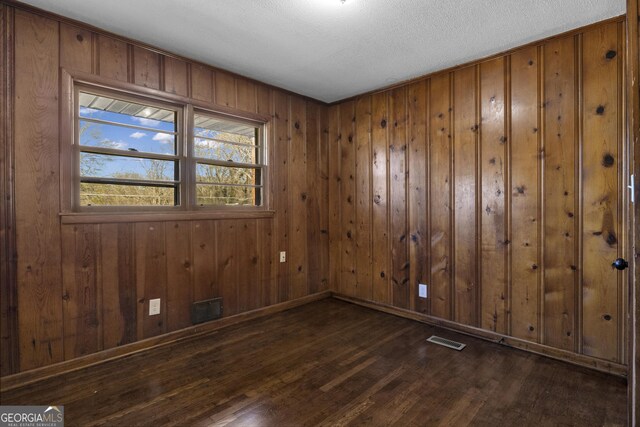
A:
(152, 139)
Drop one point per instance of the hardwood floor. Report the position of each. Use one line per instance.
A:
(331, 363)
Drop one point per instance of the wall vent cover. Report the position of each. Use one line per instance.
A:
(203, 311)
(446, 343)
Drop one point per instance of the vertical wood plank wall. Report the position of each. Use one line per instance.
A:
(85, 288)
(497, 184)
(8, 318)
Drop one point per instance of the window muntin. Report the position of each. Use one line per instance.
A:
(129, 151)
(229, 168)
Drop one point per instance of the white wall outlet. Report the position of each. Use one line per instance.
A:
(154, 306)
(283, 256)
(422, 290)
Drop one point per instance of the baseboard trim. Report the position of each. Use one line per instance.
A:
(21, 379)
(541, 349)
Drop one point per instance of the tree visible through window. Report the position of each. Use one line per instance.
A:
(228, 163)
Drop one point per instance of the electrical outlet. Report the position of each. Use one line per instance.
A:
(283, 256)
(154, 306)
(422, 290)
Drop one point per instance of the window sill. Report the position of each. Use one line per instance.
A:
(106, 217)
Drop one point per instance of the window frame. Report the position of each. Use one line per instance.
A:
(193, 161)
(70, 209)
(179, 158)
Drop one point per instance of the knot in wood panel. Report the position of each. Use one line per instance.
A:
(607, 160)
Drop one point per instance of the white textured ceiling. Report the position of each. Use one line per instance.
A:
(331, 50)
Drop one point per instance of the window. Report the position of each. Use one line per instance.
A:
(128, 152)
(228, 161)
(134, 153)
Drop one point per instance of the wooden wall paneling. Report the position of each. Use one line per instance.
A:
(201, 83)
(76, 48)
(281, 123)
(398, 197)
(601, 167)
(465, 189)
(265, 105)
(179, 274)
(363, 198)
(559, 194)
(176, 76)
(254, 277)
(335, 200)
(347, 137)
(266, 256)
(151, 277)
(298, 199)
(118, 278)
(269, 257)
(324, 178)
(246, 95)
(248, 281)
(9, 345)
(37, 183)
(227, 250)
(264, 101)
(440, 195)
(494, 169)
(203, 243)
(146, 68)
(418, 206)
(381, 273)
(313, 197)
(81, 290)
(113, 58)
(225, 89)
(525, 193)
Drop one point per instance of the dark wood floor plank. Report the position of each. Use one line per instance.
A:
(331, 363)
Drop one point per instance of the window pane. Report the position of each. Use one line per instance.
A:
(106, 166)
(102, 107)
(226, 195)
(218, 150)
(92, 194)
(224, 129)
(226, 175)
(94, 134)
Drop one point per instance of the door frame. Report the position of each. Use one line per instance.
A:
(633, 144)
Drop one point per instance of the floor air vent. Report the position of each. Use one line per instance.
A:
(203, 311)
(446, 343)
